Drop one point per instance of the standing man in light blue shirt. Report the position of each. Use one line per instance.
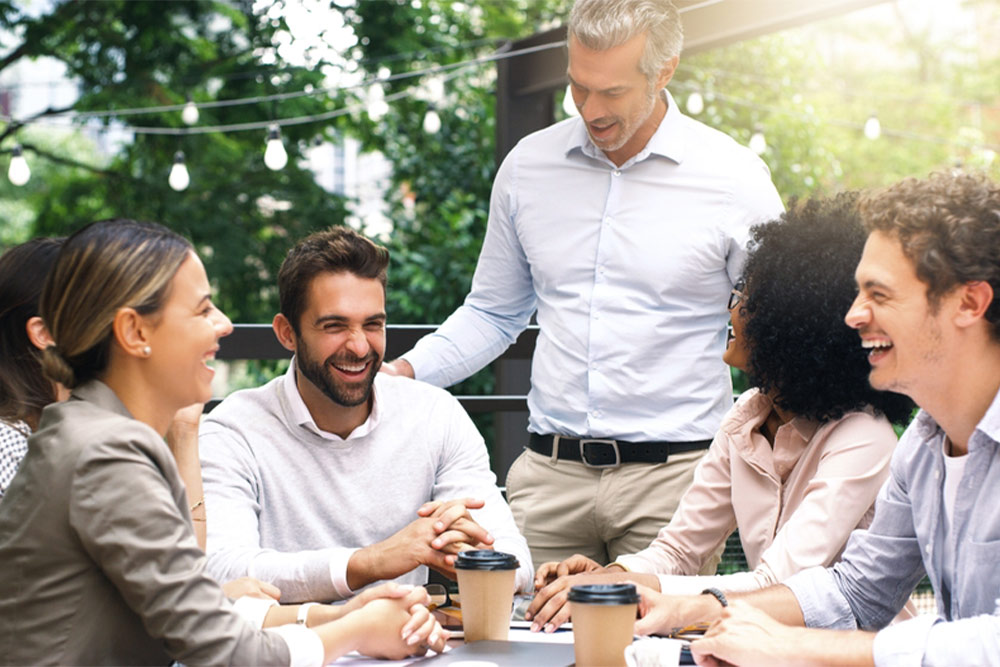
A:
(624, 230)
(928, 314)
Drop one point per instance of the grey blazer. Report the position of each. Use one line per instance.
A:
(98, 558)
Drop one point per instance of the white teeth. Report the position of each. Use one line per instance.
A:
(870, 344)
(351, 369)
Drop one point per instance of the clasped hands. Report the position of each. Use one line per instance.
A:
(441, 530)
(739, 634)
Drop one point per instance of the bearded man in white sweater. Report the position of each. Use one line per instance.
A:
(335, 476)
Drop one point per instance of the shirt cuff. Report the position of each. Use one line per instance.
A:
(253, 610)
(819, 597)
(417, 360)
(622, 562)
(338, 572)
(903, 643)
(304, 646)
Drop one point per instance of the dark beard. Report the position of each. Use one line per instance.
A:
(343, 394)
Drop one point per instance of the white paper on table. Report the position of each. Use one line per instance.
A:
(524, 635)
(654, 652)
(355, 659)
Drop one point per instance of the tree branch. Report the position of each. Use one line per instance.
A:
(65, 161)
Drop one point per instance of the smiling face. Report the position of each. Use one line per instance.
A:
(905, 337)
(342, 337)
(615, 99)
(185, 337)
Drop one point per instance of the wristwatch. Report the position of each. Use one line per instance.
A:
(717, 594)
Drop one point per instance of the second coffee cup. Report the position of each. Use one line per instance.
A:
(486, 585)
(603, 622)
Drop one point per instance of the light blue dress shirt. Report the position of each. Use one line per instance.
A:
(629, 269)
(882, 565)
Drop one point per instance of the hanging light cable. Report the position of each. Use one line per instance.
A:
(179, 178)
(275, 156)
(18, 172)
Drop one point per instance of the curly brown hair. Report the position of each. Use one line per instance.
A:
(949, 227)
(799, 279)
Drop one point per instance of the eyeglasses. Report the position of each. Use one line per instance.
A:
(736, 296)
(449, 608)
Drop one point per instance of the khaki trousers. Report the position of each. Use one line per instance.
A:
(565, 507)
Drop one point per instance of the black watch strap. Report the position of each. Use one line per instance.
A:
(717, 594)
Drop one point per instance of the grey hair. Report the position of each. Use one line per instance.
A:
(603, 24)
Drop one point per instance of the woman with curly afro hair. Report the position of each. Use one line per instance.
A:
(799, 459)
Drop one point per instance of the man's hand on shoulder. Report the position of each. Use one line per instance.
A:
(398, 367)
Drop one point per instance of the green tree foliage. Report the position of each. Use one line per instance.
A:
(141, 54)
(441, 182)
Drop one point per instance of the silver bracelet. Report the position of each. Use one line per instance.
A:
(304, 612)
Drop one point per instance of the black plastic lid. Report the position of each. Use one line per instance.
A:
(604, 594)
(486, 559)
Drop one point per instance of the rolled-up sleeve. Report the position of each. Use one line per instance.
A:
(819, 597)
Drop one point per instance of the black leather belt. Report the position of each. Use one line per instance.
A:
(607, 453)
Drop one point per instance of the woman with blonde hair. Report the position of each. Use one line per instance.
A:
(96, 531)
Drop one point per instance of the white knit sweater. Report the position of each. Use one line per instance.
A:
(289, 504)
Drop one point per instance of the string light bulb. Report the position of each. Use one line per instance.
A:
(18, 172)
(695, 103)
(190, 113)
(873, 128)
(569, 104)
(377, 106)
(758, 142)
(275, 156)
(432, 121)
(179, 178)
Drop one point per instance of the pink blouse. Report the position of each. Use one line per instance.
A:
(795, 505)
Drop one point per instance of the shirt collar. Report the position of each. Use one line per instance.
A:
(667, 141)
(751, 411)
(300, 415)
(990, 423)
(100, 394)
(929, 430)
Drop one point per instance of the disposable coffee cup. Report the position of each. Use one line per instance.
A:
(603, 622)
(486, 584)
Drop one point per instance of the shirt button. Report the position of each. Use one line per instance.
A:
(618, 172)
(928, 549)
(609, 221)
(937, 474)
(593, 367)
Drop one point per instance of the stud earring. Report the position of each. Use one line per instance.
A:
(146, 351)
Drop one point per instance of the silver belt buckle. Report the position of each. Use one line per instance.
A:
(612, 443)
